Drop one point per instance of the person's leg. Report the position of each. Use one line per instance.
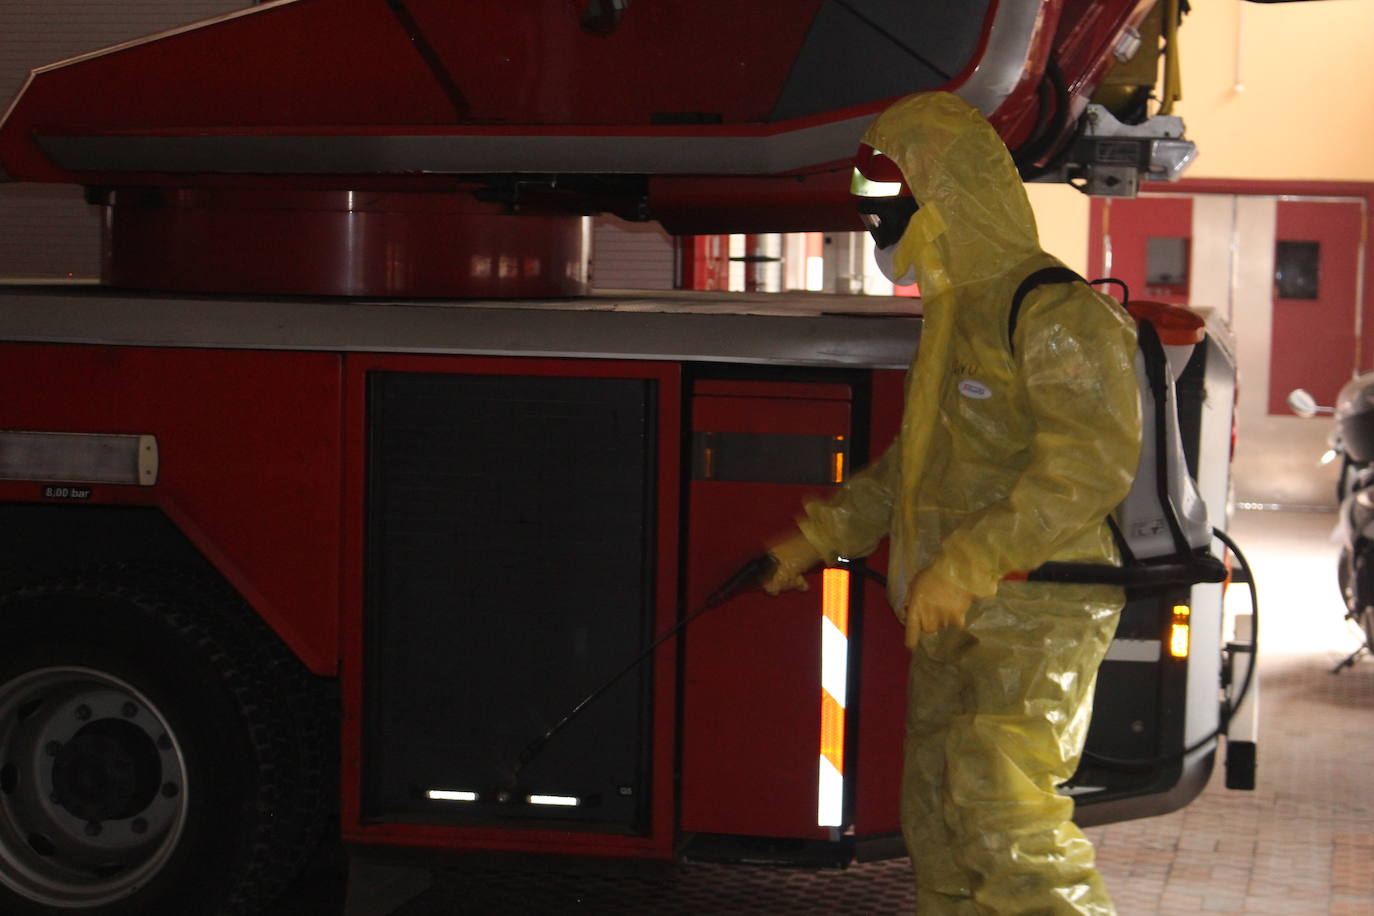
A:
(1014, 692)
(934, 698)
(1032, 668)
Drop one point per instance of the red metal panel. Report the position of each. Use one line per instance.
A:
(727, 388)
(1121, 231)
(352, 66)
(1085, 42)
(771, 414)
(705, 262)
(339, 243)
(659, 842)
(652, 62)
(1361, 190)
(363, 96)
(1314, 343)
(250, 462)
(882, 689)
(745, 204)
(751, 720)
(341, 63)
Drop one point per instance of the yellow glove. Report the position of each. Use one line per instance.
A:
(932, 604)
(794, 557)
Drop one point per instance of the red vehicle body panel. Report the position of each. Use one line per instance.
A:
(362, 132)
(250, 468)
(264, 455)
(387, 83)
(881, 706)
(263, 459)
(751, 722)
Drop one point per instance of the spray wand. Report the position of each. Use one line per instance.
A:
(747, 576)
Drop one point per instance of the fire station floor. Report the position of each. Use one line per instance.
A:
(1302, 843)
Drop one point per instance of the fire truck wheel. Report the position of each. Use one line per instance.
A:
(160, 750)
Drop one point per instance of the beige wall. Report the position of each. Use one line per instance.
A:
(1280, 90)
(1061, 215)
(1270, 90)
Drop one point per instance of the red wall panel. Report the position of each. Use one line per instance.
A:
(1314, 340)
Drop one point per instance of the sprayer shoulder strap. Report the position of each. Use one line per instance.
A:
(1041, 277)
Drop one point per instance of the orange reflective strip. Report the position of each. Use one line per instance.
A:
(835, 598)
(832, 731)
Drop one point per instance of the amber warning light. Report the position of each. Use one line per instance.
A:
(1178, 633)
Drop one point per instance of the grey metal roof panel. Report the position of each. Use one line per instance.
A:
(786, 329)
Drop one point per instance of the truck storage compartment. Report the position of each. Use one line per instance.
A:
(754, 719)
(510, 545)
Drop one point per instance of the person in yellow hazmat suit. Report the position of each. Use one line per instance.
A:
(1011, 453)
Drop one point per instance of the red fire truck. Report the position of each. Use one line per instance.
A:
(323, 510)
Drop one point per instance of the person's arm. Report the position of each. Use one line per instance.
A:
(848, 524)
(856, 518)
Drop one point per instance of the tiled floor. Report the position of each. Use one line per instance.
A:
(1301, 844)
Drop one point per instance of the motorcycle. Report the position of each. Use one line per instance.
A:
(1352, 442)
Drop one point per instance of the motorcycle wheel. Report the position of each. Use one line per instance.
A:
(160, 750)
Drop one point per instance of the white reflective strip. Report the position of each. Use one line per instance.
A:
(451, 795)
(830, 810)
(78, 457)
(834, 660)
(1134, 650)
(563, 801)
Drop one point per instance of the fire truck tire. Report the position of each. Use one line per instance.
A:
(160, 750)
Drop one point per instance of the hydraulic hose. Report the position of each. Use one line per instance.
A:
(1053, 89)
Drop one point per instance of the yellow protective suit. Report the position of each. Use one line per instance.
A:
(1007, 457)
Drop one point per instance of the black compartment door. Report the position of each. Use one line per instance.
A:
(510, 538)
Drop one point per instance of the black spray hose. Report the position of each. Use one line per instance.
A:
(747, 576)
(759, 568)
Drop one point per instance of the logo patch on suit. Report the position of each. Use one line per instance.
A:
(970, 388)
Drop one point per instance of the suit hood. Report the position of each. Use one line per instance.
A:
(975, 221)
